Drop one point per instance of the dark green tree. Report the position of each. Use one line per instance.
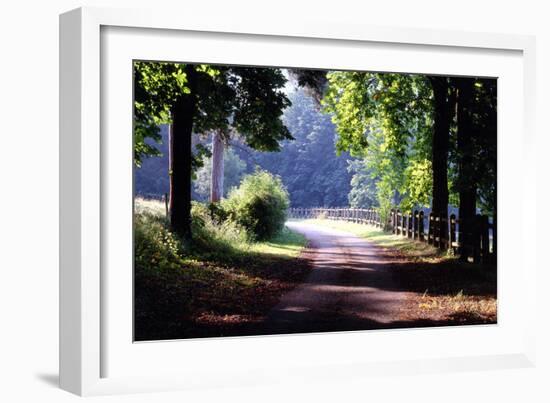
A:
(474, 153)
(201, 99)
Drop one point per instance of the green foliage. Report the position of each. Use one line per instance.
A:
(385, 193)
(308, 166)
(386, 119)
(212, 233)
(154, 245)
(482, 148)
(156, 87)
(259, 204)
(417, 184)
(234, 170)
(227, 99)
(258, 106)
(363, 185)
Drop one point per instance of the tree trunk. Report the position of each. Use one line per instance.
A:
(216, 182)
(467, 181)
(440, 146)
(183, 112)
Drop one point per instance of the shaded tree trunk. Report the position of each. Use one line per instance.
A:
(216, 180)
(183, 112)
(443, 105)
(467, 185)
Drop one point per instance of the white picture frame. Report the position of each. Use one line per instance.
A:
(89, 338)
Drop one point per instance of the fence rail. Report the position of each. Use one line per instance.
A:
(438, 230)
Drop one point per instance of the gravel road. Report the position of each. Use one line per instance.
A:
(350, 286)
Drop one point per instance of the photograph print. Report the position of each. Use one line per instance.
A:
(275, 200)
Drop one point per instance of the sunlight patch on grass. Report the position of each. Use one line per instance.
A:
(150, 206)
(288, 243)
(376, 235)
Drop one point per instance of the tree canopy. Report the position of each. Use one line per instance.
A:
(386, 119)
(198, 99)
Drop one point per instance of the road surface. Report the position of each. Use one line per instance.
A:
(350, 286)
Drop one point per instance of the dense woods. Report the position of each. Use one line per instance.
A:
(309, 179)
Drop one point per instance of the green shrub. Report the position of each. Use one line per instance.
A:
(155, 246)
(213, 233)
(259, 205)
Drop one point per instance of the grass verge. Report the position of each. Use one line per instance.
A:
(412, 249)
(442, 289)
(219, 285)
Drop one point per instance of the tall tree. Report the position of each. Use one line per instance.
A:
(466, 183)
(257, 106)
(234, 170)
(443, 105)
(183, 112)
(174, 93)
(475, 154)
(202, 98)
(217, 173)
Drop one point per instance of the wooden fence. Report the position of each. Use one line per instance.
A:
(442, 232)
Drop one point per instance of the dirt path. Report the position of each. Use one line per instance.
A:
(350, 286)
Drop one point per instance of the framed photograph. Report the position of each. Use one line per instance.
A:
(244, 203)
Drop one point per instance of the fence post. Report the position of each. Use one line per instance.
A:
(494, 239)
(403, 225)
(452, 233)
(484, 229)
(415, 225)
(398, 218)
(410, 225)
(397, 222)
(421, 226)
(476, 239)
(437, 230)
(430, 229)
(444, 233)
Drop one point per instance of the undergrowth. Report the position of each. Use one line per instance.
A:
(221, 277)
